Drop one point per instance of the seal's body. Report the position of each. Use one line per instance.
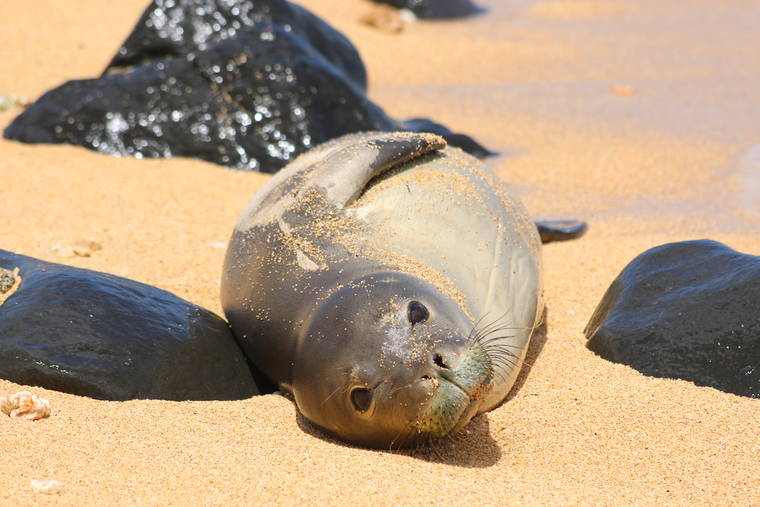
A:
(390, 283)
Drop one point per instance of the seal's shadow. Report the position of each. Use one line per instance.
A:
(537, 342)
(473, 447)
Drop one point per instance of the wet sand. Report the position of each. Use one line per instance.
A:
(639, 116)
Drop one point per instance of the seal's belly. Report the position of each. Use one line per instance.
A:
(474, 241)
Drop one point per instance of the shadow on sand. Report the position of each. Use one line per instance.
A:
(473, 447)
(451, 9)
(537, 342)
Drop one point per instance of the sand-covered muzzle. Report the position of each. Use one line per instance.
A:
(458, 394)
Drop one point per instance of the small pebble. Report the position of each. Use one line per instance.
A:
(9, 283)
(25, 405)
(385, 18)
(7, 280)
(49, 487)
(81, 248)
(623, 90)
(407, 16)
(8, 102)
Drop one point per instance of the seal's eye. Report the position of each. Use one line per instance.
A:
(361, 397)
(417, 312)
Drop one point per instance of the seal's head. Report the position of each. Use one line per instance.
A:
(388, 361)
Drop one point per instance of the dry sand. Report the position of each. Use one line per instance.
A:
(637, 115)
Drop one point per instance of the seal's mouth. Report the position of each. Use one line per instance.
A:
(468, 413)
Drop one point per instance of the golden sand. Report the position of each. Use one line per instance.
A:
(531, 79)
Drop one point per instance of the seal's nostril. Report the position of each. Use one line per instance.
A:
(438, 360)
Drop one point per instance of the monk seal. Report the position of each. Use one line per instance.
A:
(389, 282)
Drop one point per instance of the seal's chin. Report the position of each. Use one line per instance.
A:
(448, 411)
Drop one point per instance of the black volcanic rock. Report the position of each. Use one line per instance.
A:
(248, 84)
(99, 335)
(171, 28)
(436, 9)
(685, 310)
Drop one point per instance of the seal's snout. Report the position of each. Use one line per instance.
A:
(466, 367)
(458, 379)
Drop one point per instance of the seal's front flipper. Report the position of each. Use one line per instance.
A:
(560, 230)
(344, 173)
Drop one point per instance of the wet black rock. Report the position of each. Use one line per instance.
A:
(180, 27)
(248, 84)
(107, 337)
(436, 9)
(685, 310)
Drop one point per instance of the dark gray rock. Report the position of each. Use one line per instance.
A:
(99, 335)
(560, 230)
(685, 310)
(248, 84)
(436, 9)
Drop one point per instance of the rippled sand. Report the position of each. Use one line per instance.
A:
(640, 116)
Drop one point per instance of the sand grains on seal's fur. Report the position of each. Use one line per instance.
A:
(25, 405)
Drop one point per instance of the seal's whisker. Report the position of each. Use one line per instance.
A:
(503, 357)
(515, 364)
(492, 341)
(419, 444)
(501, 361)
(394, 391)
(505, 365)
(500, 329)
(486, 341)
(492, 325)
(497, 350)
(500, 353)
(431, 445)
(506, 360)
(498, 347)
(390, 447)
(472, 336)
(478, 332)
(333, 393)
(501, 376)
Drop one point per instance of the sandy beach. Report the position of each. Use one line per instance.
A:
(638, 116)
